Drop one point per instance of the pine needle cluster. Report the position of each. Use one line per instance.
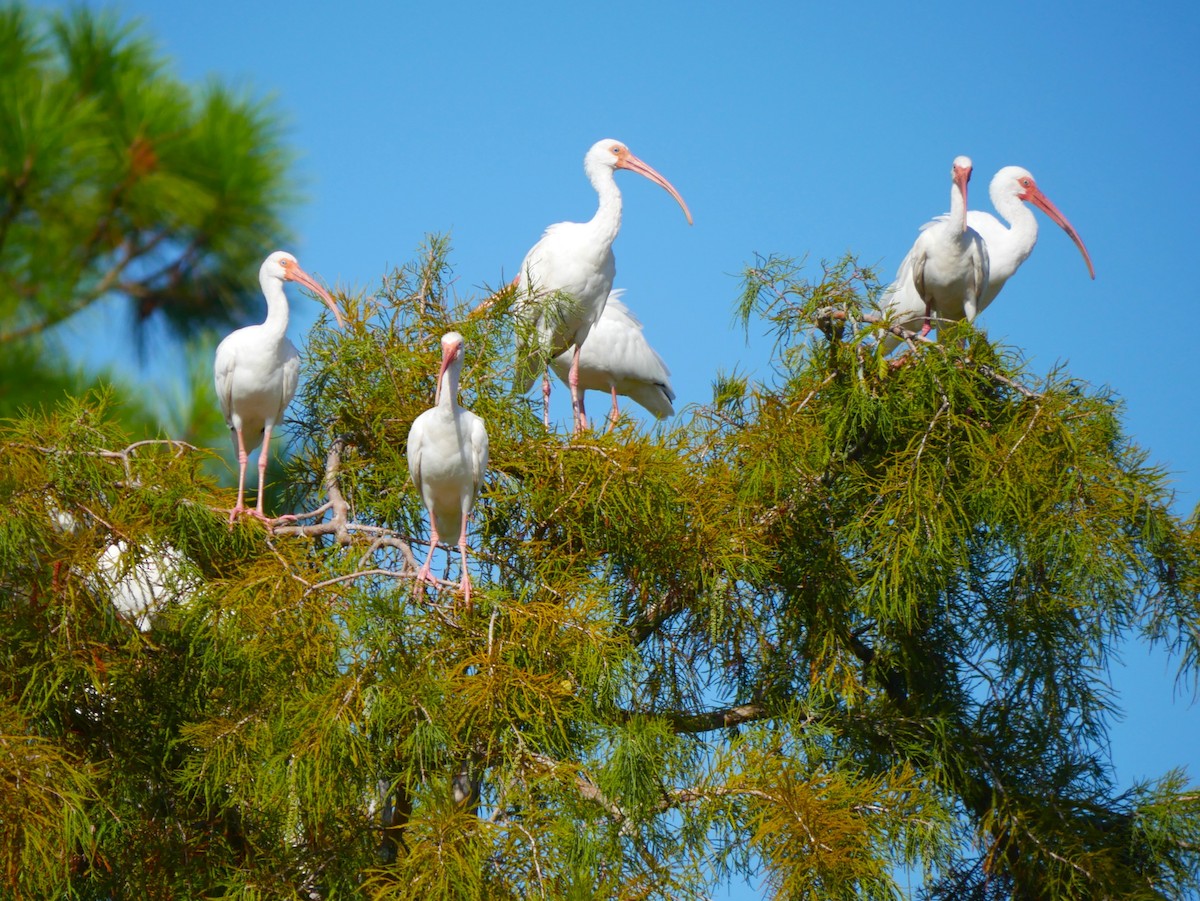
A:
(118, 180)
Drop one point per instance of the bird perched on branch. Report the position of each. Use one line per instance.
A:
(566, 277)
(1007, 246)
(141, 580)
(945, 274)
(257, 369)
(617, 358)
(447, 459)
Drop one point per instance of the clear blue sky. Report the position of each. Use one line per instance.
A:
(795, 128)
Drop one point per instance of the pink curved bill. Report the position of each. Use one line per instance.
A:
(626, 160)
(1035, 196)
(296, 274)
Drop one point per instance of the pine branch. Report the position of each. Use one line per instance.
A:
(706, 721)
(341, 528)
(81, 301)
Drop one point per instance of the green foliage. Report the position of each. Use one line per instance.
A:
(116, 179)
(124, 190)
(853, 619)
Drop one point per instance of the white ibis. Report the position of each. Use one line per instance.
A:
(566, 277)
(1009, 246)
(617, 358)
(447, 459)
(947, 270)
(139, 580)
(142, 580)
(256, 371)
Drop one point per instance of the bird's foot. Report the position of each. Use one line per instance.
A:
(285, 517)
(258, 514)
(237, 511)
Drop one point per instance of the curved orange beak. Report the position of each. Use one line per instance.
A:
(294, 273)
(1035, 196)
(626, 160)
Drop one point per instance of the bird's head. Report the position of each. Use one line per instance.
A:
(611, 154)
(1017, 182)
(282, 266)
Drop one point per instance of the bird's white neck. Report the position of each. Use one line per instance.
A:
(607, 221)
(958, 209)
(448, 389)
(276, 322)
(1022, 226)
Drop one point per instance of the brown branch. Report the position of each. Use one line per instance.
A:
(909, 337)
(708, 720)
(656, 614)
(1005, 380)
(125, 455)
(924, 438)
(338, 526)
(984, 369)
(825, 381)
(1012, 450)
(342, 529)
(107, 282)
(588, 790)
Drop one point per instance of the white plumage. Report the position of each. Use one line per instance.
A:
(566, 277)
(946, 272)
(257, 369)
(616, 358)
(1007, 246)
(140, 582)
(447, 459)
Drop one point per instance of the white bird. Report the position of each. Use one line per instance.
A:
(617, 358)
(139, 583)
(142, 582)
(447, 459)
(257, 369)
(1009, 246)
(947, 270)
(566, 277)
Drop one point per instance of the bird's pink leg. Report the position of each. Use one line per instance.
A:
(616, 411)
(546, 398)
(263, 456)
(243, 458)
(576, 398)
(423, 573)
(466, 577)
(262, 472)
(928, 326)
